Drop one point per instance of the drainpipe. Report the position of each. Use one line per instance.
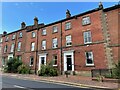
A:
(36, 51)
(61, 48)
(15, 44)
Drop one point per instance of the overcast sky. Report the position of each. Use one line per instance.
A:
(13, 13)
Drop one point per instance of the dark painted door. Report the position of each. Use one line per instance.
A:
(69, 62)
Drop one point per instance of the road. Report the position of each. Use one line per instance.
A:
(20, 84)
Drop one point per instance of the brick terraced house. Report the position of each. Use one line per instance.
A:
(79, 43)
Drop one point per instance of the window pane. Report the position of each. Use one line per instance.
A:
(86, 20)
(33, 34)
(89, 58)
(87, 37)
(32, 46)
(54, 28)
(68, 25)
(55, 43)
(44, 44)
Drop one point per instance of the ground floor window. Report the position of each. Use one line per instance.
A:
(55, 60)
(89, 58)
(31, 60)
(3, 61)
(19, 58)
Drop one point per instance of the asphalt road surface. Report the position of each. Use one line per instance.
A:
(9, 83)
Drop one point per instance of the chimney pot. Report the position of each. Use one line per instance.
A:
(100, 5)
(36, 21)
(68, 15)
(23, 25)
(4, 33)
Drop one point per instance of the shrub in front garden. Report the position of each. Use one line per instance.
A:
(116, 70)
(48, 70)
(23, 69)
(12, 65)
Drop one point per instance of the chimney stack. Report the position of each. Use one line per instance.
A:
(100, 5)
(4, 33)
(36, 21)
(23, 25)
(68, 15)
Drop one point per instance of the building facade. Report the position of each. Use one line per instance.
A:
(79, 43)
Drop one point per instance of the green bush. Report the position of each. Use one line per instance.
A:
(12, 65)
(48, 70)
(116, 70)
(23, 69)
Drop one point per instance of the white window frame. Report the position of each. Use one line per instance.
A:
(12, 47)
(86, 20)
(44, 32)
(7, 38)
(90, 57)
(43, 44)
(19, 46)
(1, 40)
(13, 37)
(33, 46)
(67, 25)
(54, 43)
(33, 34)
(20, 34)
(87, 37)
(55, 29)
(55, 60)
(68, 40)
(5, 48)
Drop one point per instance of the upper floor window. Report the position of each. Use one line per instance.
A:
(54, 43)
(68, 25)
(13, 37)
(5, 48)
(55, 29)
(1, 40)
(33, 34)
(12, 47)
(89, 58)
(55, 60)
(86, 20)
(19, 46)
(32, 46)
(87, 37)
(43, 44)
(6, 39)
(44, 31)
(31, 60)
(68, 40)
(20, 34)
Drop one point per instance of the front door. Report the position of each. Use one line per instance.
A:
(42, 60)
(69, 62)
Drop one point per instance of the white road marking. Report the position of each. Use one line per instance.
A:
(18, 86)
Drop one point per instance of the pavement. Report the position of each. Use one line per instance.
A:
(78, 81)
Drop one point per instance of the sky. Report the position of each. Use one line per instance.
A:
(13, 13)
